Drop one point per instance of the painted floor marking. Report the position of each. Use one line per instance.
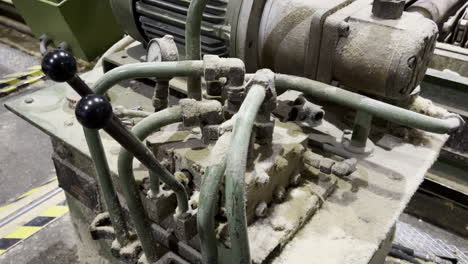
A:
(34, 225)
(26, 194)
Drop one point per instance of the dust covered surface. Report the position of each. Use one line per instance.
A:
(357, 217)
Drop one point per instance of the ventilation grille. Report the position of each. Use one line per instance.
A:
(162, 17)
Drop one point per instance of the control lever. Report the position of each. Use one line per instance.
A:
(93, 111)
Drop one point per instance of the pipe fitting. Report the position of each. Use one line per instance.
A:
(231, 68)
(264, 125)
(162, 49)
(305, 111)
(194, 113)
(344, 168)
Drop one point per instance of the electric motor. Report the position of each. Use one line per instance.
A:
(348, 43)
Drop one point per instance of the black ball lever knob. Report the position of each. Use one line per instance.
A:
(59, 65)
(94, 111)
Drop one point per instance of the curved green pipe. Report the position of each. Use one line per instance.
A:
(166, 69)
(235, 173)
(209, 191)
(109, 195)
(359, 102)
(107, 81)
(144, 70)
(193, 43)
(142, 130)
(132, 193)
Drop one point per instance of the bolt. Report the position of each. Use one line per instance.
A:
(68, 123)
(137, 108)
(182, 177)
(280, 194)
(261, 210)
(262, 178)
(345, 167)
(343, 29)
(296, 180)
(412, 62)
(326, 165)
(196, 168)
(166, 164)
(127, 122)
(28, 100)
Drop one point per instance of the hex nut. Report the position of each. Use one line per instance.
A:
(388, 9)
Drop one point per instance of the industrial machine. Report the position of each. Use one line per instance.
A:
(260, 131)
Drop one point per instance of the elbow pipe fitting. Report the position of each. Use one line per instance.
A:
(306, 112)
(231, 68)
(196, 113)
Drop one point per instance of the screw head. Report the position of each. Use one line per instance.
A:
(59, 65)
(93, 111)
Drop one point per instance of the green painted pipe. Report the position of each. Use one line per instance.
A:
(209, 191)
(142, 130)
(135, 113)
(166, 69)
(193, 43)
(362, 103)
(111, 200)
(235, 172)
(145, 70)
(107, 81)
(131, 191)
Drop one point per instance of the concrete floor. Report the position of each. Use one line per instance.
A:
(24, 151)
(54, 244)
(25, 163)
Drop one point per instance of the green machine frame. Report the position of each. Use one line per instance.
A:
(88, 26)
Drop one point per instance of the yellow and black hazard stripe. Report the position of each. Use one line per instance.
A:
(32, 226)
(28, 193)
(13, 82)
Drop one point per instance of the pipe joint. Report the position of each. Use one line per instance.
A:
(457, 120)
(266, 79)
(231, 68)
